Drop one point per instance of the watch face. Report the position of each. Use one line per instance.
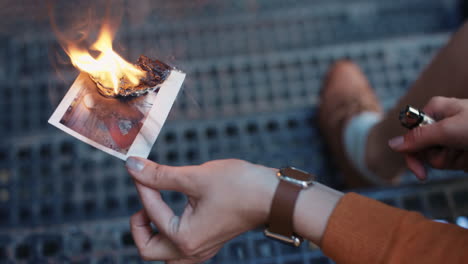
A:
(296, 174)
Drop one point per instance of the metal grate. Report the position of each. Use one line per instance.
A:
(52, 179)
(241, 64)
(293, 28)
(251, 84)
(46, 180)
(110, 241)
(243, 34)
(246, 84)
(213, 9)
(255, 70)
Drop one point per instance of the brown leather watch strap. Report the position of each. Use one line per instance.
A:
(282, 209)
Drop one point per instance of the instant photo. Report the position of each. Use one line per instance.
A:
(121, 126)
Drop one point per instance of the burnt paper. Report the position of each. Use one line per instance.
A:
(121, 126)
(156, 72)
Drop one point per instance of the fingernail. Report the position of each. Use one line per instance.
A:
(135, 164)
(396, 142)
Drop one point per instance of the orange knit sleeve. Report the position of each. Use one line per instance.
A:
(362, 230)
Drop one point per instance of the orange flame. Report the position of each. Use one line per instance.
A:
(109, 68)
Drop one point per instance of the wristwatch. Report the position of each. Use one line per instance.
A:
(280, 223)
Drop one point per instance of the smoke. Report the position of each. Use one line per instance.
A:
(48, 22)
(17, 15)
(80, 27)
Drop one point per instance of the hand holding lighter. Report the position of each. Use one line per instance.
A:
(411, 117)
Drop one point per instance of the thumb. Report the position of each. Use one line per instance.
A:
(160, 177)
(442, 107)
(416, 166)
(419, 138)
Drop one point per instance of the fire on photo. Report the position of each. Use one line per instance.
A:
(114, 105)
(111, 122)
(121, 126)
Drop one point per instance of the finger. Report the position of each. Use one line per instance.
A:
(416, 166)
(439, 158)
(200, 259)
(447, 159)
(140, 225)
(159, 176)
(158, 211)
(461, 160)
(441, 107)
(420, 138)
(430, 135)
(206, 235)
(184, 261)
(151, 246)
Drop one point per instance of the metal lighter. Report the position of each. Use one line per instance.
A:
(411, 117)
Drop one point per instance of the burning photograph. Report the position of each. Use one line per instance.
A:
(114, 105)
(111, 122)
(121, 126)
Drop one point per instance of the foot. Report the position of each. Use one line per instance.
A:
(346, 93)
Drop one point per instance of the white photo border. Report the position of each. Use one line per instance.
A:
(155, 119)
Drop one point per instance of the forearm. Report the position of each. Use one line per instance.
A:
(355, 229)
(362, 230)
(314, 207)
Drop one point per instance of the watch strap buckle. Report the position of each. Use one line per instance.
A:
(289, 240)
